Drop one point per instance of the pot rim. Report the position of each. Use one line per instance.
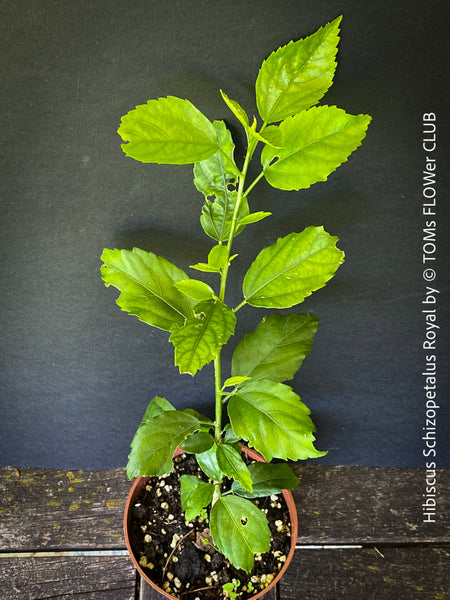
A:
(139, 483)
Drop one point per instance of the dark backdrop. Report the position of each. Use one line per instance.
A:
(76, 372)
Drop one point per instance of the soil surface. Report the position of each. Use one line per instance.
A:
(174, 554)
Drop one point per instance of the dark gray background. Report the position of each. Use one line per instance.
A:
(76, 372)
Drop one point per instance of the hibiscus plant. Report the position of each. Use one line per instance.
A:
(301, 143)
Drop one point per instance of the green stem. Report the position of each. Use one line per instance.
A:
(254, 182)
(243, 303)
(223, 284)
(218, 388)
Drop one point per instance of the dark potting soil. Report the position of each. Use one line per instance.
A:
(174, 554)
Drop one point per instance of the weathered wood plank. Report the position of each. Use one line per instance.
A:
(65, 578)
(47, 508)
(403, 573)
(149, 593)
(352, 505)
(51, 509)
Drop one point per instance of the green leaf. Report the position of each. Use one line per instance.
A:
(216, 178)
(237, 110)
(217, 216)
(272, 418)
(198, 340)
(315, 142)
(230, 437)
(195, 289)
(297, 75)
(218, 256)
(287, 272)
(156, 440)
(276, 348)
(198, 442)
(195, 495)
(155, 408)
(268, 479)
(146, 285)
(207, 461)
(169, 131)
(233, 381)
(217, 259)
(213, 175)
(239, 530)
(254, 217)
(232, 465)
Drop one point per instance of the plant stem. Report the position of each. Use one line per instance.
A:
(223, 284)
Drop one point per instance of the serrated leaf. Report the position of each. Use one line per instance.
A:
(231, 463)
(237, 110)
(169, 131)
(287, 272)
(239, 530)
(213, 175)
(216, 178)
(297, 75)
(198, 290)
(198, 340)
(272, 418)
(268, 479)
(315, 142)
(198, 442)
(195, 495)
(217, 216)
(207, 461)
(156, 440)
(276, 348)
(254, 217)
(155, 408)
(146, 283)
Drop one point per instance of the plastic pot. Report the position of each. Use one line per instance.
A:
(140, 482)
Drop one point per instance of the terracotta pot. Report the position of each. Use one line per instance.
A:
(140, 482)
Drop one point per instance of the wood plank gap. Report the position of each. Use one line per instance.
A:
(48, 553)
(328, 547)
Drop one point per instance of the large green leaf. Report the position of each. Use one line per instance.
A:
(156, 440)
(216, 178)
(297, 75)
(268, 479)
(169, 131)
(239, 530)
(276, 348)
(231, 463)
(272, 418)
(314, 143)
(146, 285)
(198, 340)
(287, 272)
(195, 495)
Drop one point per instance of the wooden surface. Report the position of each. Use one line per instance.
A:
(361, 536)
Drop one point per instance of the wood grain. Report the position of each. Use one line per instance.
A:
(353, 505)
(66, 578)
(405, 573)
(46, 508)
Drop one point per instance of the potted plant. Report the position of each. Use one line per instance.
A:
(222, 490)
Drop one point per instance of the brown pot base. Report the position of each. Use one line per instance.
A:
(172, 553)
